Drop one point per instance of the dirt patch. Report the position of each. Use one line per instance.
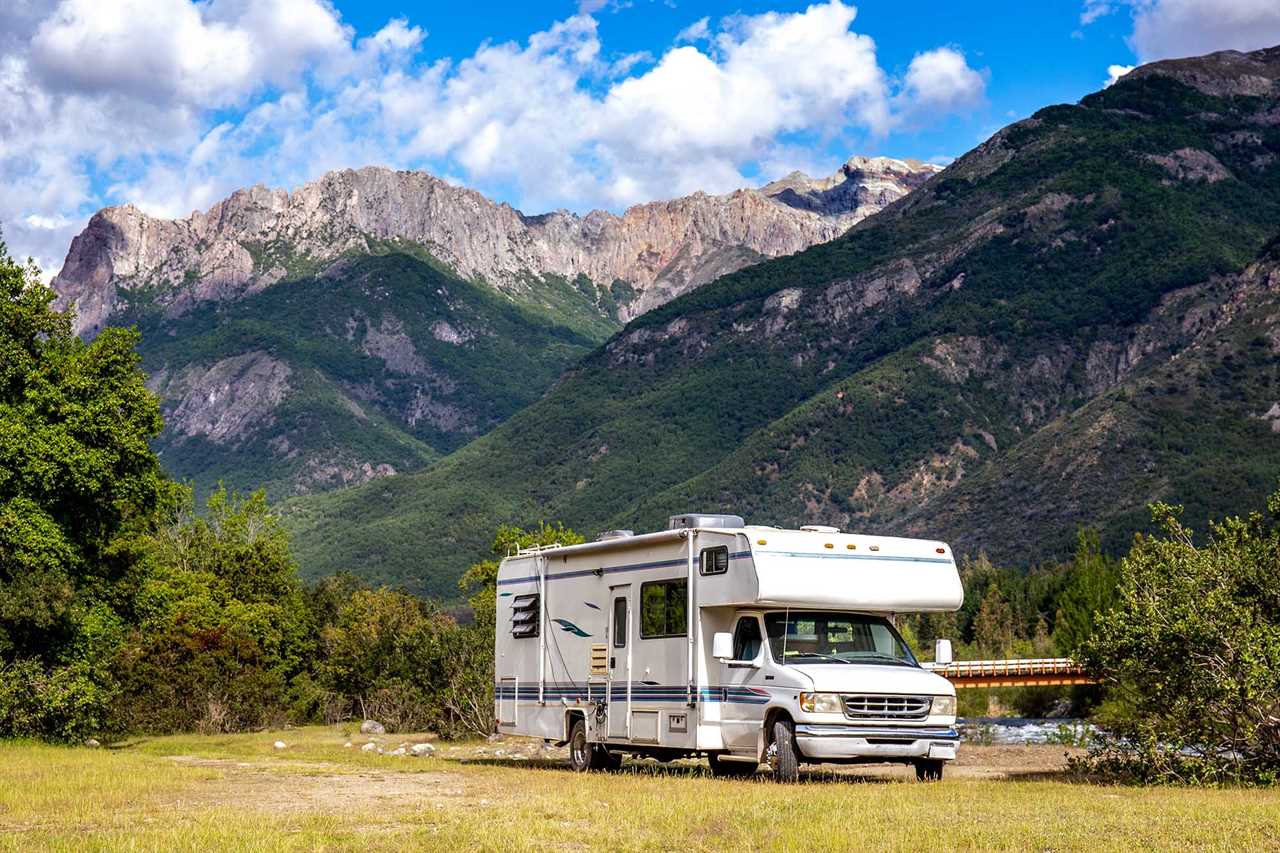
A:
(317, 786)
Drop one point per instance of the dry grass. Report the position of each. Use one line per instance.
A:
(238, 793)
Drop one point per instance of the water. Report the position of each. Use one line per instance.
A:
(1024, 730)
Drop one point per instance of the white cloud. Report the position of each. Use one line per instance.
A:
(1115, 72)
(174, 51)
(1095, 9)
(940, 81)
(697, 31)
(1165, 29)
(1173, 28)
(172, 104)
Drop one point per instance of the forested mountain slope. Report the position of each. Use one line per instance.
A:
(880, 380)
(372, 320)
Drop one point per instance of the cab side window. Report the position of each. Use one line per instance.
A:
(747, 640)
(715, 561)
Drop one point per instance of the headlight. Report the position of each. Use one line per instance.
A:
(820, 703)
(943, 705)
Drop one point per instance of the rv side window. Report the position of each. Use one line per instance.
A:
(663, 609)
(715, 561)
(524, 615)
(619, 623)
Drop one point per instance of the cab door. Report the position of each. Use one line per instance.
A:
(741, 687)
(619, 638)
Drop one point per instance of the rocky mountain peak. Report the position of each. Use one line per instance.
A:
(258, 236)
(1227, 72)
(863, 184)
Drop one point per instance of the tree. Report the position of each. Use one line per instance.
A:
(381, 654)
(78, 481)
(1090, 591)
(222, 627)
(1191, 653)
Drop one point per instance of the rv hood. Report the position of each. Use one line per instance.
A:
(874, 678)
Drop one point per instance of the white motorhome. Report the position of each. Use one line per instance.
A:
(745, 644)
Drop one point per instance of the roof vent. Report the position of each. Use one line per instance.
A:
(695, 520)
(614, 534)
(819, 528)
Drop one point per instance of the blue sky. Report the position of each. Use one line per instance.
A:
(1036, 53)
(173, 104)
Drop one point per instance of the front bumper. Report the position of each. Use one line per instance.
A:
(822, 742)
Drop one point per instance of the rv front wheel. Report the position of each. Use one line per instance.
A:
(784, 758)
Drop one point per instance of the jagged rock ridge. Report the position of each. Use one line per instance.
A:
(259, 236)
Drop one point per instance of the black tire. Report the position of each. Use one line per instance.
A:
(581, 753)
(784, 757)
(929, 770)
(731, 769)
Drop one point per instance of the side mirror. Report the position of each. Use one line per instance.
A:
(722, 645)
(942, 652)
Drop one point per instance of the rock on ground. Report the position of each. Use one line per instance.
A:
(372, 727)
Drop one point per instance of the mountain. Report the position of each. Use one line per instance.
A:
(1072, 320)
(373, 320)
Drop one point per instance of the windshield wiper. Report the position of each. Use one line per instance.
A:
(825, 657)
(889, 658)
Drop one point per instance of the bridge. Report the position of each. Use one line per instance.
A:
(1015, 672)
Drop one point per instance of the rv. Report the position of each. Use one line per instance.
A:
(746, 644)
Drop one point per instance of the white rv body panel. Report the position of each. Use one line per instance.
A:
(644, 610)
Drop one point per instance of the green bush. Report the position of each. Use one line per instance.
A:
(63, 704)
(1191, 653)
(221, 628)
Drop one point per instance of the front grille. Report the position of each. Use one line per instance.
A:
(878, 706)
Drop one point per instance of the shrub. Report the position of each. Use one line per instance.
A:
(1191, 652)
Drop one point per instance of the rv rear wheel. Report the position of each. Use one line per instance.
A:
(783, 757)
(580, 752)
(929, 770)
(585, 756)
(723, 767)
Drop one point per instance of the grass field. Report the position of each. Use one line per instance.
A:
(239, 793)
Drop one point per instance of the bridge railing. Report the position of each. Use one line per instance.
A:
(1013, 672)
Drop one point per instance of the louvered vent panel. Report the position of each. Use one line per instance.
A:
(524, 616)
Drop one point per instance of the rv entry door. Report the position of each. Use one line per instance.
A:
(740, 715)
(619, 660)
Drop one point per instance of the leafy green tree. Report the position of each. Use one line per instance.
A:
(222, 626)
(1191, 652)
(1090, 591)
(382, 655)
(78, 482)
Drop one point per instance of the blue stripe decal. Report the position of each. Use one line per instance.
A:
(609, 570)
(639, 693)
(859, 557)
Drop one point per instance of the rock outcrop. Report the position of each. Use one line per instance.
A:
(259, 236)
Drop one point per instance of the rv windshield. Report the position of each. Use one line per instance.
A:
(820, 637)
